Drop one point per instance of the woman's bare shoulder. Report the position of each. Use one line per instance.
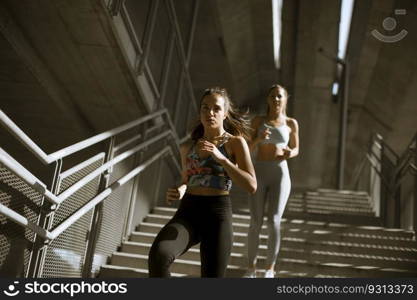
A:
(292, 123)
(236, 141)
(235, 145)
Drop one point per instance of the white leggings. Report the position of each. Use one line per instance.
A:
(274, 187)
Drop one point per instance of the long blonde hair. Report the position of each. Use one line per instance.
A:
(280, 87)
(235, 123)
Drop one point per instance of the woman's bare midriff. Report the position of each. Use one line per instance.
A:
(205, 191)
(268, 152)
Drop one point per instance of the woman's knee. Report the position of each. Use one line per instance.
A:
(160, 256)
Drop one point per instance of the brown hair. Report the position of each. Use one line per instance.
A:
(235, 123)
(277, 86)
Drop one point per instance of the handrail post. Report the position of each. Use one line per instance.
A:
(375, 180)
(415, 186)
(97, 216)
(46, 216)
(384, 190)
(158, 182)
(160, 172)
(138, 158)
(127, 228)
(396, 190)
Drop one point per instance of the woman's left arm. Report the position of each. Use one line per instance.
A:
(242, 173)
(294, 142)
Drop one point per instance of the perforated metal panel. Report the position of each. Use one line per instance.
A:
(114, 212)
(16, 241)
(65, 255)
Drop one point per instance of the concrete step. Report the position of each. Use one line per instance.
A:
(336, 204)
(357, 198)
(317, 235)
(343, 192)
(241, 224)
(333, 201)
(319, 211)
(240, 241)
(324, 234)
(334, 217)
(321, 208)
(181, 266)
(325, 208)
(239, 257)
(112, 271)
(341, 196)
(192, 267)
(300, 214)
(340, 270)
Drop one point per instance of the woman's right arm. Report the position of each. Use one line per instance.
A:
(177, 193)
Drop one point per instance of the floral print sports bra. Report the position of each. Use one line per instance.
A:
(207, 172)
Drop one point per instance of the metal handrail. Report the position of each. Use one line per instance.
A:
(23, 138)
(391, 181)
(136, 137)
(409, 146)
(57, 157)
(51, 235)
(40, 187)
(384, 180)
(26, 176)
(378, 137)
(85, 180)
(405, 165)
(185, 138)
(405, 160)
(50, 158)
(399, 171)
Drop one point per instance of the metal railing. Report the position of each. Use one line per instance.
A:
(48, 236)
(44, 233)
(394, 201)
(53, 157)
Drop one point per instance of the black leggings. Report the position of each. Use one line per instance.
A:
(199, 219)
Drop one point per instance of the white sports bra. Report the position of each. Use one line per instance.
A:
(279, 135)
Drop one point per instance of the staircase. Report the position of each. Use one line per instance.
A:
(325, 233)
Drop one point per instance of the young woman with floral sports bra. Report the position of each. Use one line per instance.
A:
(217, 156)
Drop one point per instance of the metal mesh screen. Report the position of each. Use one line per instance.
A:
(65, 255)
(113, 217)
(16, 241)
